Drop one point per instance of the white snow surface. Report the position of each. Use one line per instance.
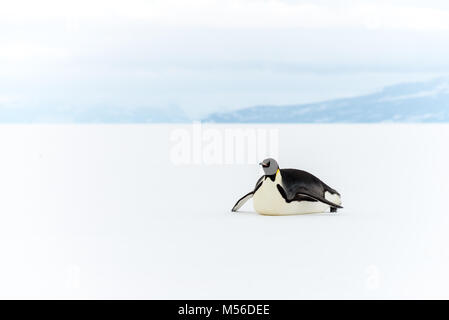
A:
(99, 211)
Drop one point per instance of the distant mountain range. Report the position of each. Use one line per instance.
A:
(407, 102)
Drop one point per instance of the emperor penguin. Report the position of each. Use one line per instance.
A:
(290, 191)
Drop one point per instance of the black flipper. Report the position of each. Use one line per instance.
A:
(242, 201)
(306, 197)
(323, 200)
(247, 196)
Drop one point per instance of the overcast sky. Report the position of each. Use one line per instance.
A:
(207, 55)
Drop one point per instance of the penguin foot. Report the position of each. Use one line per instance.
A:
(333, 209)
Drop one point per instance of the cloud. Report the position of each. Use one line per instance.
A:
(236, 14)
(7, 100)
(205, 55)
(24, 51)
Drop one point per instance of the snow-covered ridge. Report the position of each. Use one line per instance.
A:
(407, 102)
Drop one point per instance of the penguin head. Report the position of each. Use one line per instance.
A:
(270, 166)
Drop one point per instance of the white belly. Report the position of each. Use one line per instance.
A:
(268, 201)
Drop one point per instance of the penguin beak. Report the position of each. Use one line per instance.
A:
(263, 164)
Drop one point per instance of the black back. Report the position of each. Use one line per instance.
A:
(299, 181)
